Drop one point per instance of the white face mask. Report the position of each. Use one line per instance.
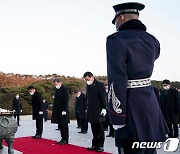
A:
(166, 87)
(107, 90)
(89, 82)
(58, 86)
(17, 97)
(31, 93)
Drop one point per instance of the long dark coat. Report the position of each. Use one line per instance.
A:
(170, 105)
(37, 105)
(81, 106)
(131, 53)
(61, 103)
(96, 101)
(17, 105)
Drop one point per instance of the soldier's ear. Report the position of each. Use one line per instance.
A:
(122, 17)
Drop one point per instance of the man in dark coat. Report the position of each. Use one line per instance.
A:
(96, 110)
(81, 110)
(17, 107)
(133, 107)
(76, 114)
(37, 110)
(45, 110)
(60, 113)
(170, 106)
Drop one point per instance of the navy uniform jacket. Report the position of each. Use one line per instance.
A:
(131, 53)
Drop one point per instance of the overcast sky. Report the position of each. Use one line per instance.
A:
(68, 37)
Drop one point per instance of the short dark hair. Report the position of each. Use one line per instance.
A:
(30, 87)
(57, 80)
(89, 74)
(166, 81)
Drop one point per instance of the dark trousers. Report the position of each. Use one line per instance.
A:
(173, 128)
(105, 124)
(39, 125)
(45, 115)
(78, 120)
(98, 134)
(127, 149)
(64, 130)
(111, 131)
(18, 118)
(84, 125)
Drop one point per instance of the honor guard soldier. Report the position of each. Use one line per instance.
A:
(133, 106)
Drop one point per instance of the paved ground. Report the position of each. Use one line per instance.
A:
(27, 128)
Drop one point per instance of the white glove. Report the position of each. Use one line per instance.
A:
(116, 127)
(103, 112)
(64, 113)
(40, 112)
(20, 110)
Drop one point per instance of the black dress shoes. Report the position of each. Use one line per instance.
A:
(62, 142)
(84, 132)
(37, 136)
(100, 149)
(80, 132)
(91, 148)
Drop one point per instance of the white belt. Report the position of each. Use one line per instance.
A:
(139, 83)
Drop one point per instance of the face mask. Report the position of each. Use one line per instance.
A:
(17, 97)
(107, 90)
(89, 82)
(58, 86)
(166, 87)
(31, 93)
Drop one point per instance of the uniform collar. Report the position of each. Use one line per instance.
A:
(132, 24)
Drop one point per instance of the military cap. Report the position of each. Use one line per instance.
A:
(130, 7)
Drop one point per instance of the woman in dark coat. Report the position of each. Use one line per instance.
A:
(60, 113)
(17, 107)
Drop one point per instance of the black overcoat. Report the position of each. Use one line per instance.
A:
(61, 103)
(81, 106)
(37, 105)
(96, 101)
(170, 105)
(17, 105)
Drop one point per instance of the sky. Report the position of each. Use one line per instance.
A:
(68, 37)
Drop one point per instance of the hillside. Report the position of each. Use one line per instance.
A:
(13, 83)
